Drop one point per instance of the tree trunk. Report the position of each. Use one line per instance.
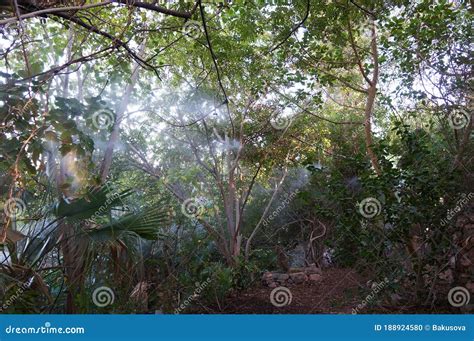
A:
(107, 162)
(369, 106)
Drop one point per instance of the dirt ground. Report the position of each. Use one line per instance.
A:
(339, 292)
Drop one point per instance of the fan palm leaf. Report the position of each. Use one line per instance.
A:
(146, 224)
(96, 200)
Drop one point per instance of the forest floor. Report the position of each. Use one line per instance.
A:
(339, 292)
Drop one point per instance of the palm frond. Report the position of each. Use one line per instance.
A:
(96, 200)
(146, 224)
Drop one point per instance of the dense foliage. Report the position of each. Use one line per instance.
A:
(152, 148)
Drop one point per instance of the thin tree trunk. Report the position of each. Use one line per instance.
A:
(369, 106)
(68, 58)
(255, 230)
(107, 161)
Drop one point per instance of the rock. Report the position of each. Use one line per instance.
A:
(313, 270)
(299, 277)
(272, 285)
(315, 277)
(297, 256)
(280, 277)
(267, 279)
(470, 286)
(295, 270)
